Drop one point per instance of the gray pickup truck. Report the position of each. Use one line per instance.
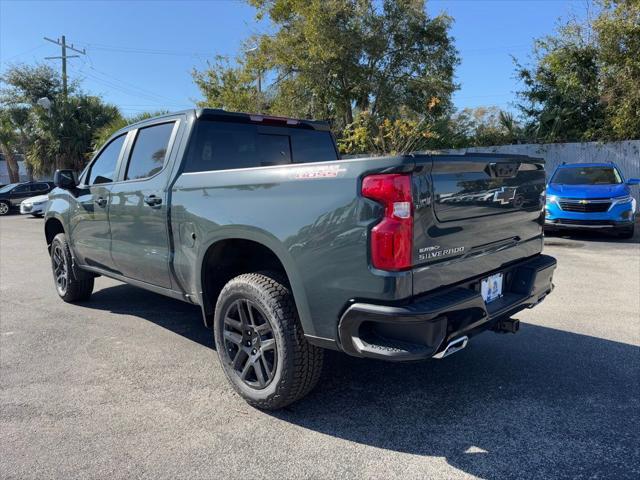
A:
(290, 250)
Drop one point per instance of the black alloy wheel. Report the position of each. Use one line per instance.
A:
(249, 344)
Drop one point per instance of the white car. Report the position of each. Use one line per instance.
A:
(34, 206)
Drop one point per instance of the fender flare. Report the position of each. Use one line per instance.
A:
(276, 246)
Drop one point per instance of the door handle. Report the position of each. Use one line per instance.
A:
(153, 201)
(101, 202)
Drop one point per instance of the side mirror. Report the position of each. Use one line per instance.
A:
(65, 179)
(633, 181)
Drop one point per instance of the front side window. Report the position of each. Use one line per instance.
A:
(103, 169)
(22, 189)
(149, 151)
(587, 176)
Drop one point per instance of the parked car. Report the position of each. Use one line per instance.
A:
(592, 196)
(34, 206)
(12, 195)
(290, 250)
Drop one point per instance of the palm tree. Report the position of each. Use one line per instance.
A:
(8, 142)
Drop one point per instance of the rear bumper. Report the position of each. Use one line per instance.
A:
(422, 327)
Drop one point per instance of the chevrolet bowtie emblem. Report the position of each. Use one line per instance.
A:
(583, 202)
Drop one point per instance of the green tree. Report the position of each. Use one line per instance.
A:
(584, 81)
(331, 59)
(55, 137)
(103, 134)
(9, 145)
(560, 99)
(617, 32)
(483, 126)
(371, 135)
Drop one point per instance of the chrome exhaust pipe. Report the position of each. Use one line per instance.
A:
(453, 347)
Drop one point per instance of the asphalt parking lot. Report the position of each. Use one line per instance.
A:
(128, 385)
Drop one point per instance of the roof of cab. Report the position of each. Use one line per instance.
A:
(217, 113)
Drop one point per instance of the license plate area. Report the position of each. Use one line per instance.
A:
(491, 287)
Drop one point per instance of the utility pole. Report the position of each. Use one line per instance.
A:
(63, 44)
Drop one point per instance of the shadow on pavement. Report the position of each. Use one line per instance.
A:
(543, 403)
(179, 317)
(540, 404)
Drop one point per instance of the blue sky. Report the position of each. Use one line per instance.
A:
(140, 53)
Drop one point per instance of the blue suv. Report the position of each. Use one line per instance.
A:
(591, 196)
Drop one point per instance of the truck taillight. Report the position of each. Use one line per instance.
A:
(392, 238)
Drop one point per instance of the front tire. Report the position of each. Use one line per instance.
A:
(260, 342)
(71, 285)
(4, 208)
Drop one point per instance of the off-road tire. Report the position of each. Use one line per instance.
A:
(78, 285)
(298, 364)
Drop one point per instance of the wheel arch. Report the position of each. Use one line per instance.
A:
(236, 253)
(52, 227)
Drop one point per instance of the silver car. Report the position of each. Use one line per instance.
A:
(34, 206)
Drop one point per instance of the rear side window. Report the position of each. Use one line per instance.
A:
(312, 146)
(226, 145)
(149, 151)
(104, 167)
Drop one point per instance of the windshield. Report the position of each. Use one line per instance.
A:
(8, 188)
(587, 176)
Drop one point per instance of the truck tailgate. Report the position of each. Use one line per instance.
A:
(474, 214)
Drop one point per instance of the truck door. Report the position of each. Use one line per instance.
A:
(138, 206)
(89, 222)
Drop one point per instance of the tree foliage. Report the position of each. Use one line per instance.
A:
(483, 126)
(331, 59)
(57, 137)
(103, 134)
(617, 31)
(583, 84)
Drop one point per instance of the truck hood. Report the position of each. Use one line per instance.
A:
(587, 191)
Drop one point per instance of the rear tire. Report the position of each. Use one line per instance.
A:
(260, 343)
(72, 285)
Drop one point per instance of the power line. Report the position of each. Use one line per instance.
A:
(136, 93)
(63, 44)
(146, 51)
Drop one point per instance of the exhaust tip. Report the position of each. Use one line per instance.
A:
(452, 347)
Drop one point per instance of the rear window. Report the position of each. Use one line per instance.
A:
(149, 151)
(587, 176)
(226, 145)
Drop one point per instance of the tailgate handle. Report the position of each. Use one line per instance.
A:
(502, 169)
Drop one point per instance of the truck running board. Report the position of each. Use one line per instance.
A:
(453, 347)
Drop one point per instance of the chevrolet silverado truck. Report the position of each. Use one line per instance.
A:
(290, 250)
